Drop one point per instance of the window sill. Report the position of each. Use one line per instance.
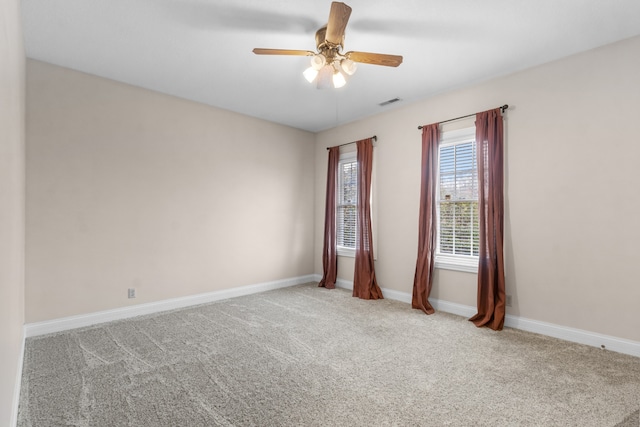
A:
(348, 252)
(351, 253)
(466, 264)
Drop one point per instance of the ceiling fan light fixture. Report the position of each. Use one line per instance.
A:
(310, 74)
(348, 66)
(329, 66)
(318, 61)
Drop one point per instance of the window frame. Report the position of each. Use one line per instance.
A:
(348, 157)
(465, 263)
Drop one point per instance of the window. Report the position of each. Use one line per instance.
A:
(457, 202)
(346, 204)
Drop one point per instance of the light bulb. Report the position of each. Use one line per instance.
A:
(348, 66)
(310, 74)
(338, 79)
(318, 61)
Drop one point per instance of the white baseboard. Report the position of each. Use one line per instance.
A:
(18, 384)
(344, 284)
(580, 336)
(453, 308)
(608, 342)
(72, 322)
(605, 342)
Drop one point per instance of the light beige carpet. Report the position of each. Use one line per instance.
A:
(307, 356)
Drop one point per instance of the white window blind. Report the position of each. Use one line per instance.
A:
(458, 233)
(346, 206)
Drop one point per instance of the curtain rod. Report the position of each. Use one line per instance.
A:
(375, 138)
(503, 108)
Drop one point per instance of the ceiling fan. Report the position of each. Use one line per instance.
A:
(328, 63)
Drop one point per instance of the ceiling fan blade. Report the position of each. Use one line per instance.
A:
(260, 51)
(338, 18)
(375, 58)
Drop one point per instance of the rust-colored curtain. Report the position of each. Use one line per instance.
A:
(365, 285)
(329, 249)
(490, 155)
(427, 224)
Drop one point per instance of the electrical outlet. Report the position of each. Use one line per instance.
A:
(132, 292)
(509, 300)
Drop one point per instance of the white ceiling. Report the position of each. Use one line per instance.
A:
(201, 49)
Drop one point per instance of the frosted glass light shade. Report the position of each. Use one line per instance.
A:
(310, 74)
(325, 77)
(318, 61)
(348, 66)
(338, 80)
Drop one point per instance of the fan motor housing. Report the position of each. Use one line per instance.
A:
(321, 41)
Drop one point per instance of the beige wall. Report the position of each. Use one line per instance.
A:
(131, 188)
(572, 181)
(11, 203)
